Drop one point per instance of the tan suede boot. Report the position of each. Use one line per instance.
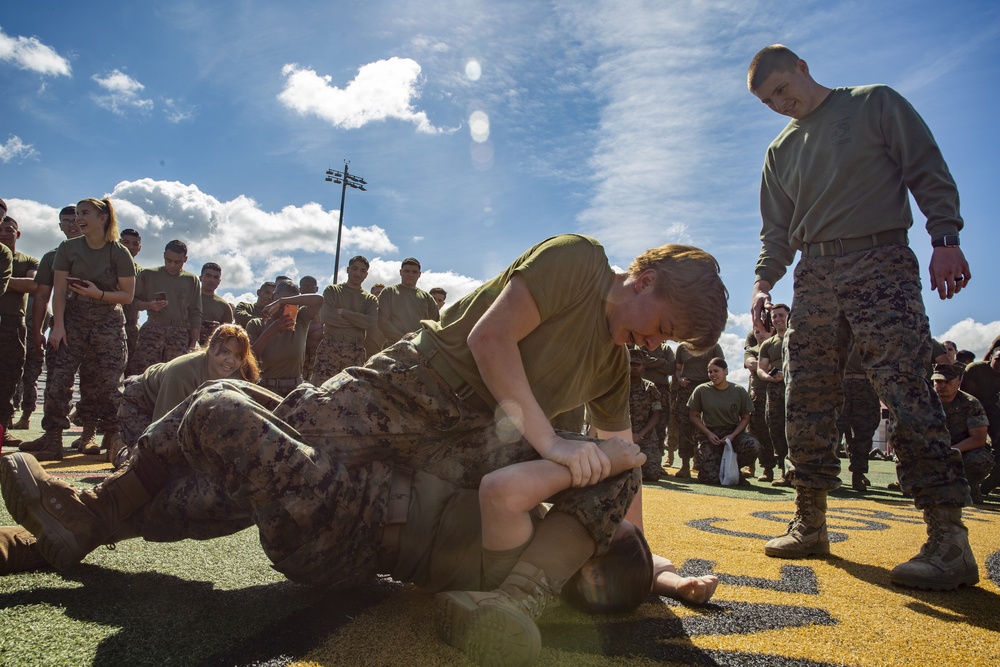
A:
(118, 451)
(19, 551)
(87, 443)
(23, 423)
(498, 627)
(49, 447)
(68, 523)
(945, 561)
(806, 534)
(10, 440)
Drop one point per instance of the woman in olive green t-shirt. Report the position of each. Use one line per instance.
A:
(93, 276)
(721, 411)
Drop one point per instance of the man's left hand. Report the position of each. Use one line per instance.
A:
(949, 271)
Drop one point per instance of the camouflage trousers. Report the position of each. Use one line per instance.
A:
(131, 338)
(687, 433)
(12, 353)
(26, 396)
(157, 342)
(333, 356)
(710, 456)
(94, 346)
(663, 424)
(775, 417)
(978, 464)
(652, 447)
(233, 463)
(859, 420)
(873, 298)
(135, 413)
(758, 428)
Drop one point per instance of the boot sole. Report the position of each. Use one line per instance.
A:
(805, 553)
(23, 498)
(936, 583)
(488, 635)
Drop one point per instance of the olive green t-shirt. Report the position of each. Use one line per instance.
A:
(282, 358)
(401, 309)
(216, 309)
(360, 311)
(720, 408)
(167, 384)
(751, 350)
(770, 349)
(13, 302)
(43, 275)
(570, 358)
(696, 365)
(103, 266)
(660, 365)
(183, 293)
(6, 265)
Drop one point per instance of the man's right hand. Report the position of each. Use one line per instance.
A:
(586, 462)
(157, 306)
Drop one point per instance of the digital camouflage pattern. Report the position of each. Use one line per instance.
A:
(94, 346)
(874, 296)
(758, 427)
(963, 413)
(710, 456)
(135, 413)
(26, 396)
(333, 355)
(234, 463)
(12, 351)
(643, 398)
(858, 420)
(157, 343)
(687, 434)
(775, 417)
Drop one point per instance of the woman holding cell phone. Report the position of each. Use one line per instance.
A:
(94, 275)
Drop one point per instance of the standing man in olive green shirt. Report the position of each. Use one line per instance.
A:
(172, 298)
(131, 239)
(279, 338)
(402, 306)
(348, 313)
(13, 302)
(214, 309)
(836, 184)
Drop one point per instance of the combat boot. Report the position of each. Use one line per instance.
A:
(69, 523)
(118, 451)
(498, 627)
(767, 475)
(87, 443)
(945, 561)
(19, 551)
(23, 423)
(49, 447)
(806, 534)
(9, 440)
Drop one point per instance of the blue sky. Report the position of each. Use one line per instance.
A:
(481, 128)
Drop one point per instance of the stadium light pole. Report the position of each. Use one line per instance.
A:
(345, 180)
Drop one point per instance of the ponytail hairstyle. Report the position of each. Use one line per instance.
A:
(111, 226)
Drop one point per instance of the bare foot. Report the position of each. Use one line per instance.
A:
(697, 590)
(624, 455)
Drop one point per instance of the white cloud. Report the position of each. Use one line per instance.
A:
(38, 224)
(121, 93)
(381, 90)
(174, 112)
(971, 335)
(15, 149)
(30, 54)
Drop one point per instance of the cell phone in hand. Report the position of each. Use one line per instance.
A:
(160, 296)
(76, 281)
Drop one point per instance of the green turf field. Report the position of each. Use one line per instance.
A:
(219, 603)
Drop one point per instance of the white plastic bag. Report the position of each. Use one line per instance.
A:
(729, 471)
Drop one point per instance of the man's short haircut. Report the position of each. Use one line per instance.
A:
(965, 356)
(128, 232)
(177, 246)
(280, 278)
(719, 362)
(268, 283)
(364, 260)
(411, 260)
(11, 220)
(211, 266)
(438, 290)
(627, 569)
(781, 305)
(287, 284)
(770, 59)
(307, 280)
(69, 210)
(688, 278)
